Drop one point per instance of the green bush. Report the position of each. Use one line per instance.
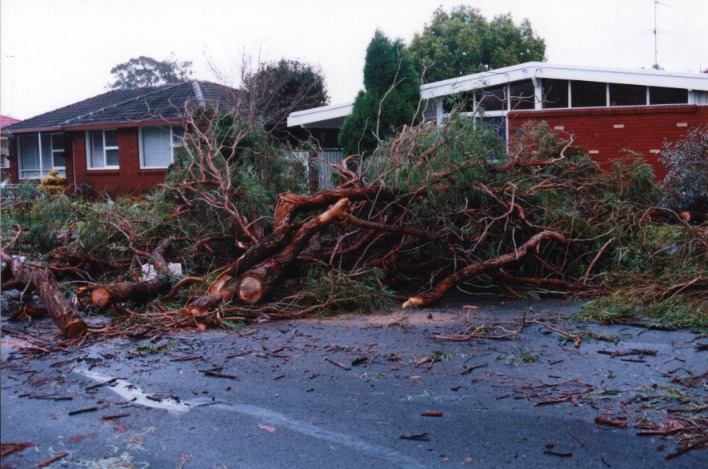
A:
(686, 183)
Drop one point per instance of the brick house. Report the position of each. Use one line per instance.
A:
(608, 111)
(119, 142)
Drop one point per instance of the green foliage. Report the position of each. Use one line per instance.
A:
(46, 220)
(463, 42)
(279, 88)
(230, 173)
(390, 99)
(337, 290)
(657, 276)
(524, 356)
(142, 72)
(635, 182)
(686, 183)
(671, 313)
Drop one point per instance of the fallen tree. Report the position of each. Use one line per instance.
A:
(433, 209)
(63, 313)
(141, 291)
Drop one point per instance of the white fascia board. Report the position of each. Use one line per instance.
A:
(321, 114)
(479, 80)
(690, 81)
(661, 78)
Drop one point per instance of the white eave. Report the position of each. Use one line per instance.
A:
(661, 78)
(331, 116)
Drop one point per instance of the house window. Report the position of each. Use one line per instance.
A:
(102, 149)
(627, 95)
(157, 145)
(588, 94)
(555, 93)
(493, 99)
(4, 152)
(40, 153)
(522, 95)
(658, 95)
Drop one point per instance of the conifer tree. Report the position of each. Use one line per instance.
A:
(390, 98)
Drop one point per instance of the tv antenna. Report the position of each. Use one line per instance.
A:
(656, 65)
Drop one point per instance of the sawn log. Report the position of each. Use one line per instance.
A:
(62, 312)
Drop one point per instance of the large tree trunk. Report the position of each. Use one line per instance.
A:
(255, 282)
(279, 249)
(62, 312)
(140, 292)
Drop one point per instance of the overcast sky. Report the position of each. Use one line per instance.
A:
(57, 52)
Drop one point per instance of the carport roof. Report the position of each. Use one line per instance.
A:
(330, 116)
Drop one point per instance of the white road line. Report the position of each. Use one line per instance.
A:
(134, 394)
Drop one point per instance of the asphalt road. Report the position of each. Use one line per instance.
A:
(361, 392)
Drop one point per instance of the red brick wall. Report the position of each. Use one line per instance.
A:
(128, 178)
(605, 133)
(14, 165)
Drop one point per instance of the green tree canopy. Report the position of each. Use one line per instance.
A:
(463, 42)
(390, 99)
(276, 89)
(144, 71)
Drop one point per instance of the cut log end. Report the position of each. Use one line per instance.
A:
(414, 302)
(75, 329)
(250, 289)
(100, 297)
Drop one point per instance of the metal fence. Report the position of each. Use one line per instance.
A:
(20, 191)
(332, 156)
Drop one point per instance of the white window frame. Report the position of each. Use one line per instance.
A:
(106, 148)
(43, 171)
(4, 152)
(175, 142)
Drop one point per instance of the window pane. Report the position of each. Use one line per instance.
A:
(627, 95)
(58, 142)
(28, 147)
(58, 159)
(96, 145)
(588, 94)
(157, 147)
(111, 157)
(33, 174)
(659, 95)
(177, 136)
(111, 138)
(46, 151)
(492, 99)
(522, 95)
(555, 93)
(496, 124)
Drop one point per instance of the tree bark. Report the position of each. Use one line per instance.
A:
(140, 292)
(63, 313)
(254, 283)
(104, 295)
(479, 267)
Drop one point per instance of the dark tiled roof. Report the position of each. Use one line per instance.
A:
(132, 105)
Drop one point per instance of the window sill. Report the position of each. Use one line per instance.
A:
(104, 172)
(152, 171)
